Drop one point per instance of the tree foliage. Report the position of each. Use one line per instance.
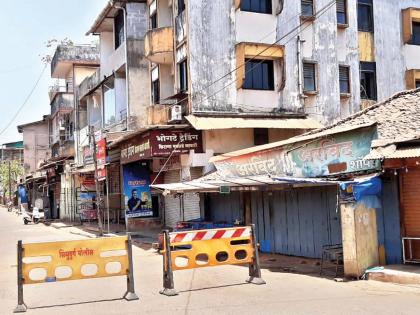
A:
(16, 170)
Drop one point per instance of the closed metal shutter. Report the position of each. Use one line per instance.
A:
(410, 200)
(172, 204)
(411, 203)
(192, 200)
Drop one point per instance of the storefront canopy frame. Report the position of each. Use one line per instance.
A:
(236, 183)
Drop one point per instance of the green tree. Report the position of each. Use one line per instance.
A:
(16, 170)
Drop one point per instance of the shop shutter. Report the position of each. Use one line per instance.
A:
(411, 202)
(192, 200)
(172, 204)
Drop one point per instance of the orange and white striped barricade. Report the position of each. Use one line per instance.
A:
(208, 248)
(74, 260)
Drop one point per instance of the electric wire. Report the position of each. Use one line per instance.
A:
(25, 101)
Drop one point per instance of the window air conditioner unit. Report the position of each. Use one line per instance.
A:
(176, 113)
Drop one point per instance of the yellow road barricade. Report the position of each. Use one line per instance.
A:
(207, 248)
(74, 260)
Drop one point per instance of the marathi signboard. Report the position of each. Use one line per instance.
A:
(161, 143)
(336, 154)
(101, 159)
(137, 196)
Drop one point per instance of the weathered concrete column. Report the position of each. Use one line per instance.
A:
(360, 238)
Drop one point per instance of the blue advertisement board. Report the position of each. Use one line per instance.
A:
(137, 196)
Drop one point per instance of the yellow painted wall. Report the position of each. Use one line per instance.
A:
(366, 46)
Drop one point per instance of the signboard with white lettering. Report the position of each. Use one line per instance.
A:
(161, 143)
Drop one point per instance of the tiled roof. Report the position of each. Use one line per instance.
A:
(397, 118)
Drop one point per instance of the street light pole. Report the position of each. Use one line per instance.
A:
(98, 193)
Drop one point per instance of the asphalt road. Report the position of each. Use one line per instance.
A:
(219, 290)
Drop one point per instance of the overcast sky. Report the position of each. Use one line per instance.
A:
(25, 27)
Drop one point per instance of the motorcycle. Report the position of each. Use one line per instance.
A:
(35, 216)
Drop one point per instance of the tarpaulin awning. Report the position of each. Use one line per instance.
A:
(214, 123)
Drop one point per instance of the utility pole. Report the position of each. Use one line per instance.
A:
(10, 182)
(98, 193)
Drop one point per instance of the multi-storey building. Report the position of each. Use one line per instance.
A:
(70, 65)
(35, 143)
(237, 74)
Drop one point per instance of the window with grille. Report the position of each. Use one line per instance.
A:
(307, 8)
(259, 75)
(344, 76)
(365, 15)
(341, 11)
(309, 81)
(257, 6)
(368, 80)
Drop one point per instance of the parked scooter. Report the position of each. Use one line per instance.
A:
(35, 216)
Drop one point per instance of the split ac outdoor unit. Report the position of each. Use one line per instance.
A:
(176, 113)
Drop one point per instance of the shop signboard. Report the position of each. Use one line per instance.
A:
(136, 149)
(87, 155)
(175, 142)
(87, 182)
(86, 203)
(161, 143)
(257, 163)
(137, 196)
(101, 159)
(337, 154)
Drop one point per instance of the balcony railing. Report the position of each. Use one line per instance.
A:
(89, 83)
(62, 101)
(159, 45)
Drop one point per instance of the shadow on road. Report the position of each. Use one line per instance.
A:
(215, 287)
(76, 303)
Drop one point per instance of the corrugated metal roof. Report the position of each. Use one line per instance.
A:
(296, 139)
(212, 123)
(214, 181)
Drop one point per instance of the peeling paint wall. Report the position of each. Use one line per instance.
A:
(138, 76)
(211, 45)
(215, 27)
(393, 58)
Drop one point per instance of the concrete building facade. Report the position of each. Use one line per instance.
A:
(35, 143)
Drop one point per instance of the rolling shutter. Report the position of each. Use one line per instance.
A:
(172, 204)
(410, 200)
(192, 200)
(411, 203)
